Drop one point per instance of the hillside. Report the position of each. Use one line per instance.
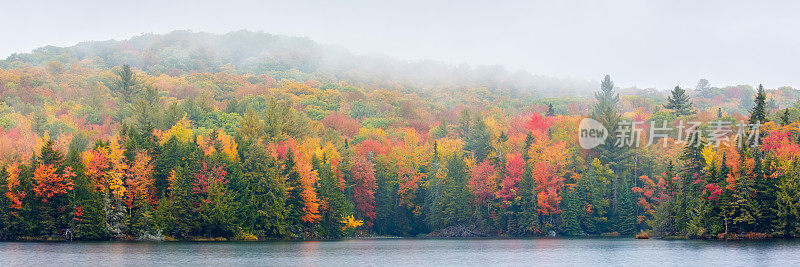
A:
(250, 136)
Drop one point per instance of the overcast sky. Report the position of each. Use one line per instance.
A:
(640, 43)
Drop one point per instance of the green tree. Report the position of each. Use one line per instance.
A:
(338, 207)
(550, 111)
(759, 113)
(679, 103)
(126, 83)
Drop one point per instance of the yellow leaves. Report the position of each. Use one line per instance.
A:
(172, 178)
(116, 186)
(708, 154)
(12, 182)
(309, 149)
(544, 149)
(351, 223)
(141, 182)
(48, 183)
(180, 131)
(330, 154)
(373, 133)
(296, 88)
(222, 142)
(449, 147)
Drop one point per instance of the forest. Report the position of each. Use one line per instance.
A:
(251, 136)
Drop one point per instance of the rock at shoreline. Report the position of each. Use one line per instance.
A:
(458, 231)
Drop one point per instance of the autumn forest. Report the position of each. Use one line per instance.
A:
(252, 136)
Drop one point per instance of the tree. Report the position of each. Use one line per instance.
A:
(679, 103)
(126, 83)
(550, 111)
(785, 117)
(262, 194)
(48, 183)
(549, 185)
(515, 166)
(364, 187)
(482, 183)
(334, 207)
(703, 87)
(478, 139)
(759, 113)
(453, 203)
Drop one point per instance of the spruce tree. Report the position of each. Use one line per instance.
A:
(126, 83)
(550, 111)
(294, 201)
(785, 117)
(759, 111)
(679, 103)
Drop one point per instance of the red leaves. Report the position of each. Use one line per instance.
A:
(12, 182)
(78, 212)
(714, 190)
(781, 143)
(515, 166)
(97, 165)
(141, 183)
(207, 175)
(372, 146)
(342, 123)
(364, 188)
(47, 183)
(482, 183)
(308, 180)
(538, 123)
(549, 185)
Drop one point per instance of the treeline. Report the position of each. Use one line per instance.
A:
(261, 168)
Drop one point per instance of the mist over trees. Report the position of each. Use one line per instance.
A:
(285, 57)
(249, 136)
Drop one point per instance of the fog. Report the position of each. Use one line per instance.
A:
(640, 43)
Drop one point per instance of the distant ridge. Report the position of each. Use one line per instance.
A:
(286, 57)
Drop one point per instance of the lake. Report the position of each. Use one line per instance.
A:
(396, 252)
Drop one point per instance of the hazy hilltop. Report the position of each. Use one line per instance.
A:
(286, 57)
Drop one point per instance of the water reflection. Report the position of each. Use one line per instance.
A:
(399, 252)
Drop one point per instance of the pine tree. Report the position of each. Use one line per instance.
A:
(679, 103)
(703, 88)
(294, 201)
(478, 139)
(338, 207)
(759, 112)
(126, 83)
(785, 117)
(550, 111)
(609, 153)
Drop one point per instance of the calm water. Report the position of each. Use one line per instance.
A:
(394, 252)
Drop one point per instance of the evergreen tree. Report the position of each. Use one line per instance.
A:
(703, 88)
(759, 112)
(294, 202)
(453, 207)
(610, 153)
(262, 194)
(126, 83)
(89, 219)
(550, 111)
(785, 118)
(787, 221)
(478, 139)
(679, 103)
(338, 207)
